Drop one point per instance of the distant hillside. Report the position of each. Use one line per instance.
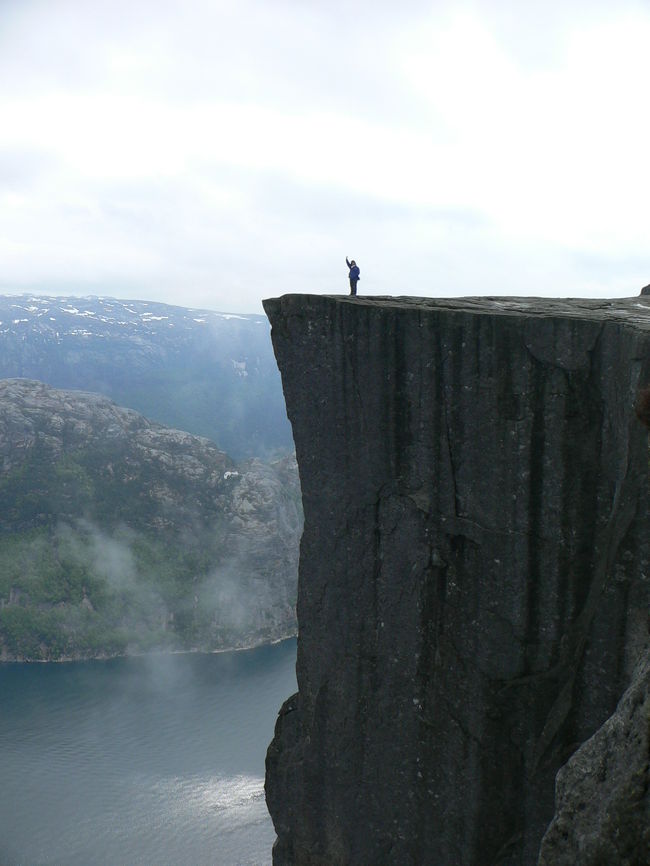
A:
(118, 534)
(209, 373)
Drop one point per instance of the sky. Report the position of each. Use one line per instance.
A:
(211, 154)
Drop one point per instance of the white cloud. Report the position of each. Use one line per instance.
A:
(212, 154)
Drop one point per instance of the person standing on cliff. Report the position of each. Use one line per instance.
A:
(354, 275)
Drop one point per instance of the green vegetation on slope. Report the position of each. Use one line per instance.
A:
(75, 591)
(119, 535)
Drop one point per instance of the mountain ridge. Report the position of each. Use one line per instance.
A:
(120, 534)
(210, 373)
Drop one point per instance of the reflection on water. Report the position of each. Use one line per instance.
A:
(156, 760)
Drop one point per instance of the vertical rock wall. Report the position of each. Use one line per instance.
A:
(472, 595)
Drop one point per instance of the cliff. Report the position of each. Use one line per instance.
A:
(118, 534)
(472, 585)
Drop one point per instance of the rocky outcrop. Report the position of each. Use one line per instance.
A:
(118, 534)
(472, 594)
(602, 794)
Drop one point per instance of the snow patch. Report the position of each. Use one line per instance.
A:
(240, 368)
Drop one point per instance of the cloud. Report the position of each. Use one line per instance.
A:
(107, 557)
(213, 153)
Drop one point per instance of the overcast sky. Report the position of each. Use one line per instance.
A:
(213, 153)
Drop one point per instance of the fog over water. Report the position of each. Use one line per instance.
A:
(151, 760)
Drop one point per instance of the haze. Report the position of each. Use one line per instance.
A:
(211, 154)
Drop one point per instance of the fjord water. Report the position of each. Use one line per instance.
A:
(152, 760)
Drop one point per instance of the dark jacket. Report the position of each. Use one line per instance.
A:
(354, 271)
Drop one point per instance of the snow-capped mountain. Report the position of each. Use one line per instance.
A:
(212, 374)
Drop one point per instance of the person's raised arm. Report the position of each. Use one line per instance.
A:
(347, 262)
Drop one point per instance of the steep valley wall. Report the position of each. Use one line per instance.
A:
(473, 597)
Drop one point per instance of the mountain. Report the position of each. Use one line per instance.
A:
(474, 584)
(118, 534)
(212, 374)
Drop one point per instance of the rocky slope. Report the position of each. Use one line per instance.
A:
(473, 586)
(118, 534)
(602, 794)
(212, 374)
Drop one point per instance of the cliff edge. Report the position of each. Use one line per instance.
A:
(472, 596)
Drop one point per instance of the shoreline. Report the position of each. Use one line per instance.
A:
(159, 652)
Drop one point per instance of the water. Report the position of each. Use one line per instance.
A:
(153, 761)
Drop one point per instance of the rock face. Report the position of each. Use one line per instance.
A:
(602, 794)
(118, 534)
(472, 594)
